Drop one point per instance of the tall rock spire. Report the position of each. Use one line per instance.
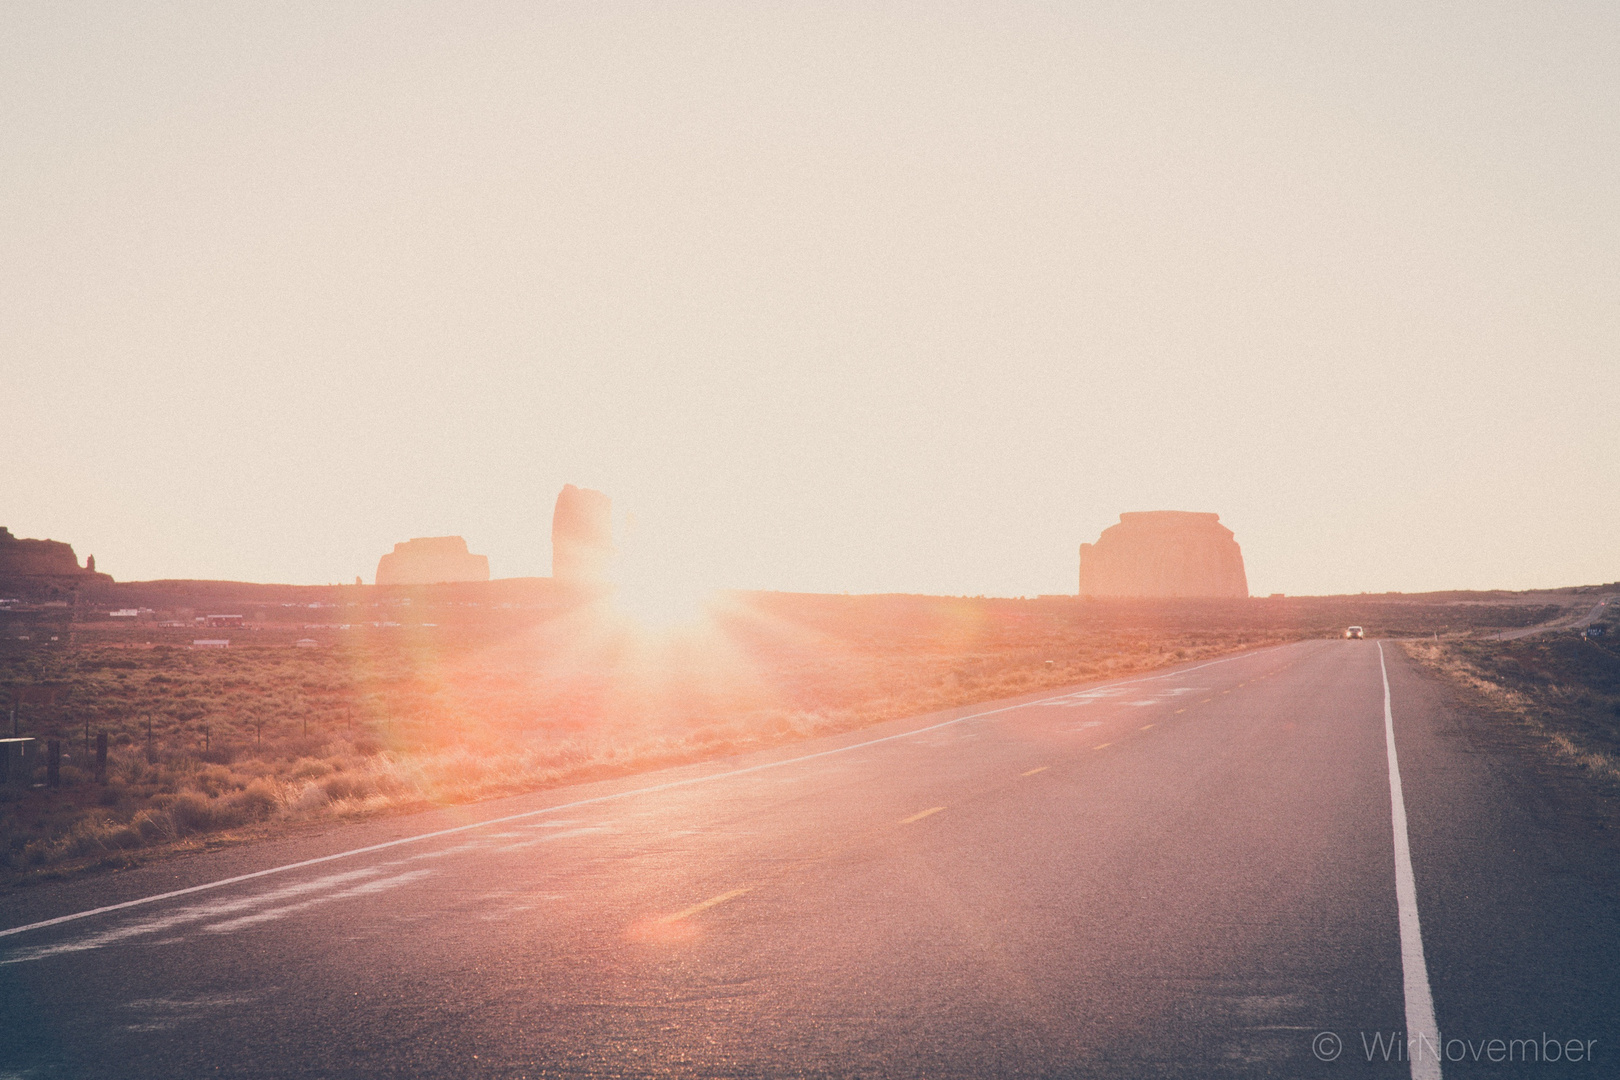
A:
(581, 535)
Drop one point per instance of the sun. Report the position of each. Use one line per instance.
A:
(663, 603)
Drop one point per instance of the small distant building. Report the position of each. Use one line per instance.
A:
(124, 613)
(211, 643)
(306, 643)
(222, 620)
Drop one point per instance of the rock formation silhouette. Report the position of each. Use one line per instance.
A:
(1164, 553)
(43, 559)
(581, 535)
(430, 560)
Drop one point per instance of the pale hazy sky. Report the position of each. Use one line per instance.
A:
(834, 297)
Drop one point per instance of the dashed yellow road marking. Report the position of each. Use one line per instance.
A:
(1036, 769)
(920, 816)
(1146, 726)
(1181, 710)
(706, 904)
(1206, 701)
(1101, 746)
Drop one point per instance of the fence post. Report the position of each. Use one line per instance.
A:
(151, 753)
(53, 763)
(101, 757)
(5, 763)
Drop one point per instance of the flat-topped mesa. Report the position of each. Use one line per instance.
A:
(39, 559)
(581, 535)
(431, 560)
(1171, 553)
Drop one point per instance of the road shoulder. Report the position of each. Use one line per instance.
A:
(1516, 872)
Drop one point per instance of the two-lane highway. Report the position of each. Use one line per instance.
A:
(1192, 873)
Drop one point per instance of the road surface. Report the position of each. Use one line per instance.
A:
(1191, 874)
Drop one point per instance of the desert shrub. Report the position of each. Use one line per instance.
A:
(212, 780)
(192, 812)
(301, 746)
(87, 836)
(257, 801)
(152, 826)
(124, 836)
(257, 767)
(459, 770)
(309, 769)
(347, 786)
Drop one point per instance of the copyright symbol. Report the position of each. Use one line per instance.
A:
(1326, 1046)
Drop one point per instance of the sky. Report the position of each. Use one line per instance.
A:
(828, 297)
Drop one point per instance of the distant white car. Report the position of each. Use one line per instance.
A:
(1353, 632)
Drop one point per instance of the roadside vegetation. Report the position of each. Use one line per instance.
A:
(1561, 690)
(214, 745)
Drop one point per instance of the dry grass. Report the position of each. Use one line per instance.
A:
(1562, 690)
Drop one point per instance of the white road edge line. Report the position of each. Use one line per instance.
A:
(220, 884)
(1422, 1035)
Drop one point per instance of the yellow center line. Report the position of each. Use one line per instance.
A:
(1036, 769)
(1146, 726)
(920, 816)
(1182, 710)
(706, 905)
(1101, 746)
(1206, 701)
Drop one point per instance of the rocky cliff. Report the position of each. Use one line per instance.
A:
(1164, 553)
(429, 560)
(581, 535)
(43, 560)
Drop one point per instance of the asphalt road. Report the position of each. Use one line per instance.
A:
(1191, 874)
